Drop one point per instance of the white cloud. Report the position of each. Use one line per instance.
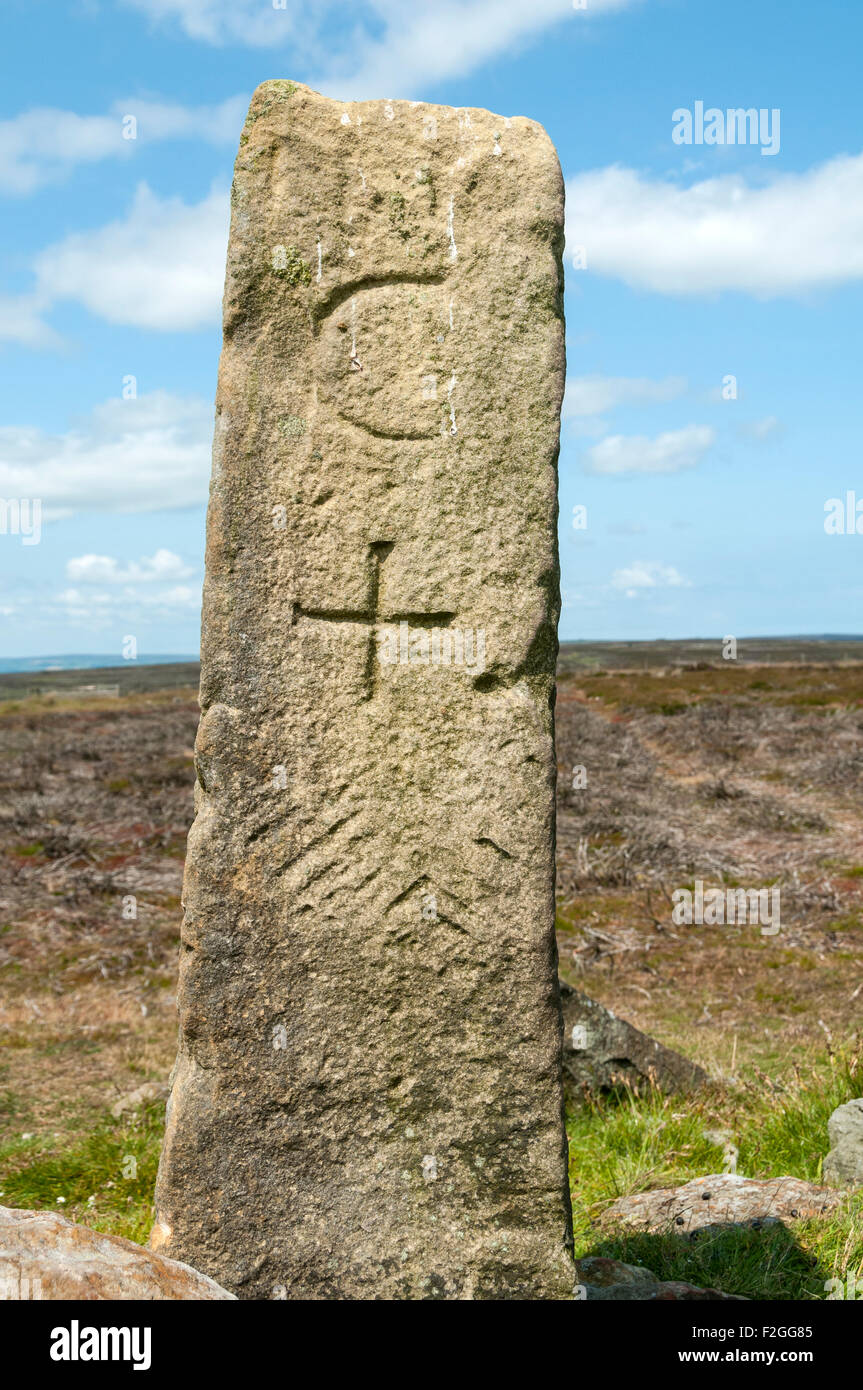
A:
(241, 21)
(99, 610)
(422, 45)
(21, 322)
(104, 569)
(590, 395)
(40, 146)
(762, 430)
(647, 574)
(636, 453)
(796, 233)
(143, 455)
(161, 267)
(378, 47)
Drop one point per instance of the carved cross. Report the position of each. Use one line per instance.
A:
(371, 615)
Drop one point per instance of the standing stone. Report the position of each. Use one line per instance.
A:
(844, 1163)
(367, 1097)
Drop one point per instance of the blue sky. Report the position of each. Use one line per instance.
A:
(705, 515)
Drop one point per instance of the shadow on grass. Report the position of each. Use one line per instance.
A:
(763, 1263)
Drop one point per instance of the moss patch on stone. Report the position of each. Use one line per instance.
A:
(291, 266)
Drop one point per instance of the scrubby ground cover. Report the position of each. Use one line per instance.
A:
(735, 775)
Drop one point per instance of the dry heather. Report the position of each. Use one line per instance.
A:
(744, 777)
(95, 804)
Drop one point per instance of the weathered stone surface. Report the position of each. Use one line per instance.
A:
(844, 1163)
(601, 1051)
(611, 1281)
(44, 1256)
(367, 1097)
(722, 1200)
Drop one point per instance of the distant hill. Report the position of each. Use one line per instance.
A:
(133, 677)
(85, 661)
(104, 675)
(615, 656)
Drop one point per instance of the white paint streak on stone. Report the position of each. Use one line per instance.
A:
(346, 120)
(450, 226)
(351, 252)
(362, 179)
(453, 427)
(450, 313)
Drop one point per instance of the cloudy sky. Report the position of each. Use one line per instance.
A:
(687, 265)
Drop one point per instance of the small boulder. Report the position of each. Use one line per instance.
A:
(844, 1163)
(611, 1281)
(601, 1051)
(720, 1201)
(45, 1256)
(151, 1090)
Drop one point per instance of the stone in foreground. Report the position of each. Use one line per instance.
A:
(367, 1096)
(844, 1163)
(610, 1281)
(44, 1256)
(722, 1200)
(601, 1051)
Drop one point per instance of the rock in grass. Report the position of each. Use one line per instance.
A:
(844, 1163)
(722, 1200)
(151, 1090)
(612, 1281)
(45, 1256)
(601, 1051)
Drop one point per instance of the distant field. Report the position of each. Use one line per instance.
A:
(744, 773)
(135, 678)
(132, 679)
(622, 656)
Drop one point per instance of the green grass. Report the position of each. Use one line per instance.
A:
(626, 1144)
(619, 1145)
(105, 1177)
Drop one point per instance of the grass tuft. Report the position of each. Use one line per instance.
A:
(626, 1143)
(105, 1178)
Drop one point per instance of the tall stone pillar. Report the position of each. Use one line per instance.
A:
(367, 1097)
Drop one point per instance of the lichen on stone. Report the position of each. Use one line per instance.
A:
(291, 266)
